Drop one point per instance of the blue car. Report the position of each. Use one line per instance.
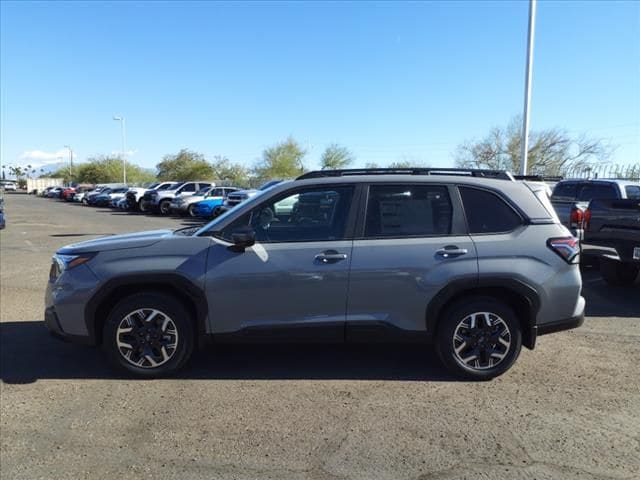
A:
(206, 208)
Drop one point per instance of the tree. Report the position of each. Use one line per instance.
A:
(551, 152)
(230, 173)
(336, 157)
(281, 161)
(185, 165)
(104, 169)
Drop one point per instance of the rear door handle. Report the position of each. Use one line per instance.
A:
(451, 251)
(330, 256)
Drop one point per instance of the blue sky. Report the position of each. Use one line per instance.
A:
(391, 81)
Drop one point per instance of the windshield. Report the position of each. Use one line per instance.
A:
(211, 227)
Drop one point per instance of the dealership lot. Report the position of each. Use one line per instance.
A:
(569, 409)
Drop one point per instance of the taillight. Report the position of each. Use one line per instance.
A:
(576, 217)
(586, 219)
(566, 247)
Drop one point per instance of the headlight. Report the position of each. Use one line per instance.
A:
(67, 262)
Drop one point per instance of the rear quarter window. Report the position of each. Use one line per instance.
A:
(486, 212)
(632, 191)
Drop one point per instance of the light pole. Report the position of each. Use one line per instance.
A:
(124, 148)
(70, 162)
(524, 147)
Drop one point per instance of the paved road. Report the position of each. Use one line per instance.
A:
(568, 410)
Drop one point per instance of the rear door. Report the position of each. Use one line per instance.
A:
(411, 243)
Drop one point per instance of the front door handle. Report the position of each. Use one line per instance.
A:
(451, 251)
(330, 256)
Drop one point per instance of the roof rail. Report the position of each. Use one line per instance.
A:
(539, 178)
(465, 172)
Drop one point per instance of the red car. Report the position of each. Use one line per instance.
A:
(68, 193)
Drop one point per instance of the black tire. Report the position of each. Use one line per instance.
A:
(455, 315)
(191, 210)
(165, 207)
(168, 307)
(618, 274)
(141, 206)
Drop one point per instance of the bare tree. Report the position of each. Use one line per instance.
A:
(551, 151)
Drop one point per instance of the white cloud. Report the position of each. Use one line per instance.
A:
(45, 157)
(129, 153)
(40, 158)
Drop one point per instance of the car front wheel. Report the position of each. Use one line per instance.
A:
(479, 339)
(149, 335)
(165, 207)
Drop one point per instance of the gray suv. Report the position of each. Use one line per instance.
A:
(470, 261)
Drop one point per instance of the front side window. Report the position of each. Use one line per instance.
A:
(304, 215)
(487, 213)
(189, 187)
(408, 211)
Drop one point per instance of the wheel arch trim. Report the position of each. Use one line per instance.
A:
(170, 282)
(488, 285)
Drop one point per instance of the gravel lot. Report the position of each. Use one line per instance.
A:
(568, 410)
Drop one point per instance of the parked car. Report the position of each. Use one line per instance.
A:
(135, 195)
(204, 206)
(8, 186)
(570, 198)
(612, 235)
(106, 196)
(3, 220)
(55, 192)
(236, 198)
(160, 200)
(68, 193)
(475, 263)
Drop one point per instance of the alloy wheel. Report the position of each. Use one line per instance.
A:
(147, 338)
(481, 340)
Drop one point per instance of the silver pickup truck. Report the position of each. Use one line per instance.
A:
(570, 198)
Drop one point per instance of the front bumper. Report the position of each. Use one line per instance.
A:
(52, 322)
(178, 207)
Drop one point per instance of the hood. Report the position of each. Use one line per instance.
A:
(116, 242)
(244, 192)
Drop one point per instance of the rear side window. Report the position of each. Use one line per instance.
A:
(632, 191)
(408, 210)
(487, 213)
(592, 191)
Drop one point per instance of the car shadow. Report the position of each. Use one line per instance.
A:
(29, 353)
(604, 300)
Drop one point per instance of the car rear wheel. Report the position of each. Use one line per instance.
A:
(618, 274)
(149, 335)
(478, 338)
(192, 210)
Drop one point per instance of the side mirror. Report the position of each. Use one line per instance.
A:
(243, 238)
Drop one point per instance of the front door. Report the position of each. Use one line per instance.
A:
(294, 280)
